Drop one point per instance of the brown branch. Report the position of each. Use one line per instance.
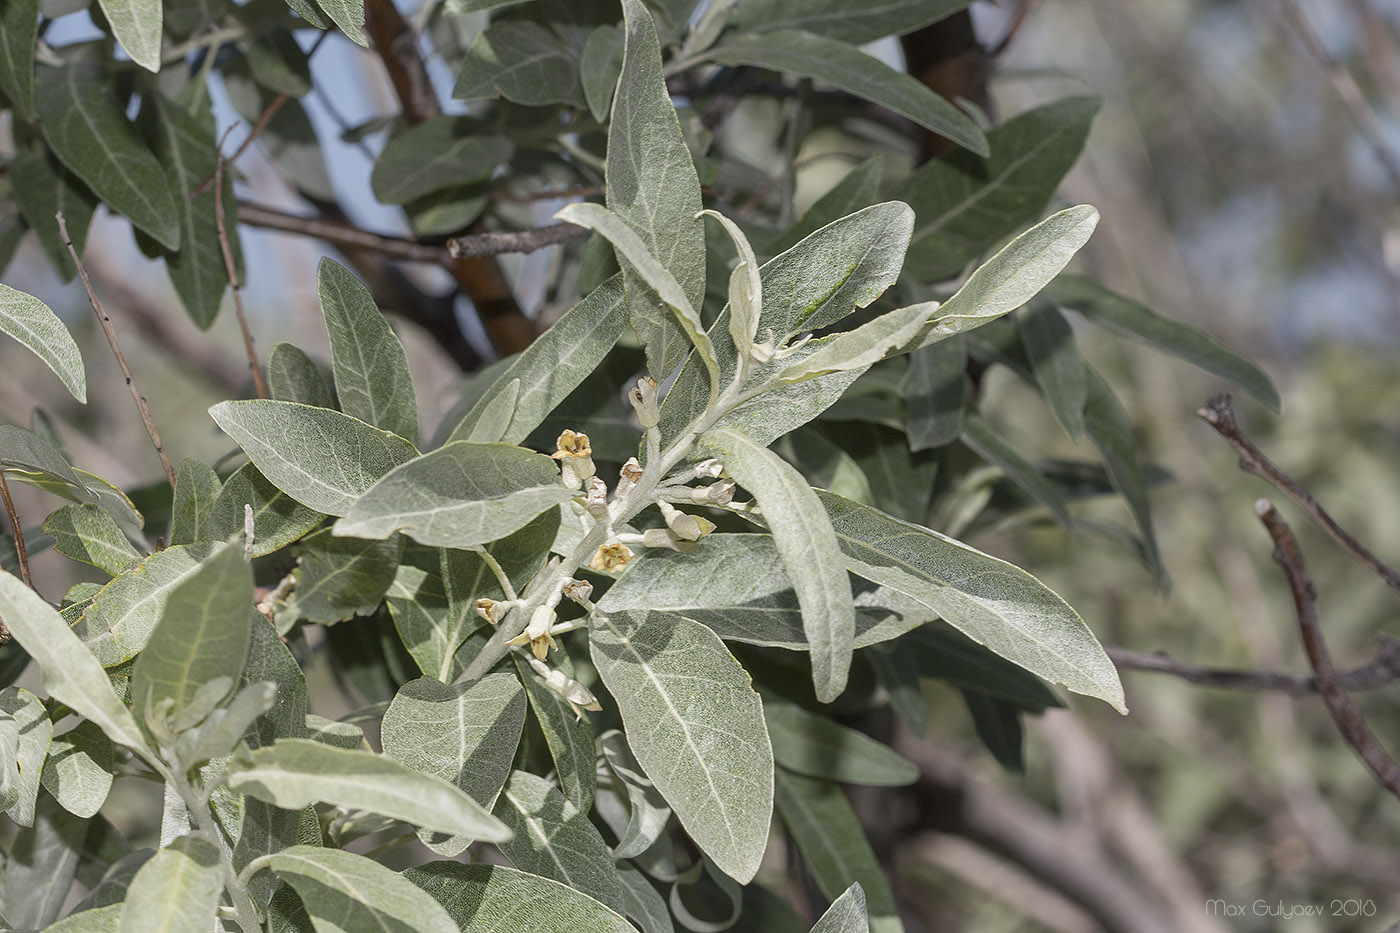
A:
(340, 234)
(1382, 672)
(1344, 711)
(1219, 414)
(106, 323)
(263, 120)
(473, 245)
(20, 552)
(231, 269)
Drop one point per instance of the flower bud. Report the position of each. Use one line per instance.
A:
(575, 456)
(489, 610)
(580, 591)
(596, 498)
(643, 399)
(710, 469)
(687, 527)
(665, 537)
(574, 693)
(629, 477)
(721, 493)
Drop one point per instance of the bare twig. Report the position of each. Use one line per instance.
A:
(1382, 672)
(1219, 414)
(340, 234)
(1344, 711)
(106, 323)
(264, 119)
(20, 553)
(231, 268)
(515, 241)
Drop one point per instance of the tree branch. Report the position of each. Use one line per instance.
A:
(20, 553)
(474, 245)
(340, 234)
(1382, 672)
(1219, 414)
(1344, 711)
(231, 270)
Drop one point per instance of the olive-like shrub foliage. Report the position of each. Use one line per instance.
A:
(603, 614)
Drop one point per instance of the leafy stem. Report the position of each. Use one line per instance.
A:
(197, 805)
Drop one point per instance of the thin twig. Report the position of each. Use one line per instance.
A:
(474, 245)
(1382, 672)
(1344, 711)
(339, 234)
(106, 323)
(231, 268)
(20, 552)
(264, 119)
(1219, 414)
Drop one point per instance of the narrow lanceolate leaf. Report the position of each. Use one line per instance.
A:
(42, 187)
(821, 822)
(196, 489)
(19, 28)
(551, 367)
(29, 320)
(967, 205)
(177, 890)
(493, 898)
(87, 533)
(125, 611)
(460, 495)
(599, 64)
(847, 914)
(814, 745)
(696, 726)
(993, 448)
(1055, 362)
(935, 392)
(278, 519)
(136, 25)
(851, 22)
(372, 379)
(344, 891)
(1112, 433)
(745, 287)
(554, 840)
(1130, 318)
(294, 773)
(522, 61)
(1015, 274)
(865, 346)
(86, 128)
(33, 730)
(71, 674)
(989, 600)
(320, 458)
(808, 547)
(78, 771)
(653, 187)
(569, 737)
(442, 152)
(635, 251)
(292, 376)
(466, 737)
(202, 635)
(808, 55)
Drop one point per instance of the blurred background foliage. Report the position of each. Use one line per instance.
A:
(1243, 163)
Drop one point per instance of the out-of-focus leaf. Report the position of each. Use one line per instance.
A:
(996, 451)
(935, 391)
(292, 376)
(569, 737)
(856, 23)
(442, 152)
(42, 188)
(32, 323)
(88, 131)
(288, 138)
(842, 64)
(644, 905)
(943, 652)
(648, 812)
(492, 898)
(41, 861)
(816, 746)
(19, 29)
(1112, 433)
(522, 61)
(599, 65)
(998, 725)
(852, 193)
(87, 533)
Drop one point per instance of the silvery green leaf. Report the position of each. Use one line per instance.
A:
(293, 773)
(991, 447)
(901, 480)
(1112, 433)
(647, 809)
(202, 634)
(569, 737)
(967, 205)
(466, 736)
(846, 914)
(265, 829)
(696, 726)
(735, 585)
(292, 376)
(349, 15)
(9, 753)
(522, 61)
(71, 674)
(935, 393)
(196, 488)
(417, 601)
(989, 600)
(88, 534)
(344, 891)
(338, 578)
(653, 187)
(441, 152)
(821, 822)
(809, 550)
(125, 611)
(745, 287)
(825, 464)
(33, 730)
(89, 132)
(1055, 361)
(842, 64)
(278, 519)
(460, 495)
(136, 24)
(111, 888)
(644, 905)
(493, 898)
(177, 891)
(270, 660)
(856, 23)
(372, 380)
(32, 323)
(321, 458)
(93, 920)
(25, 450)
(225, 727)
(816, 746)
(41, 861)
(19, 28)
(1015, 274)
(599, 65)
(554, 840)
(1122, 315)
(859, 349)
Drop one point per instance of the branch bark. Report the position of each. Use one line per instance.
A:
(1382, 672)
